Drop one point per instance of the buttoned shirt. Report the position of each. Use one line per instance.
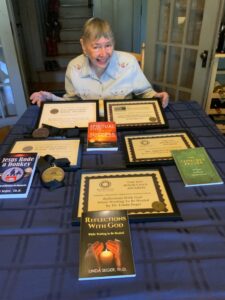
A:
(122, 78)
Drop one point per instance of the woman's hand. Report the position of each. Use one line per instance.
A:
(38, 97)
(164, 97)
(93, 252)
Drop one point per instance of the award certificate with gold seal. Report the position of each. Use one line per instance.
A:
(156, 147)
(143, 193)
(68, 114)
(58, 148)
(135, 113)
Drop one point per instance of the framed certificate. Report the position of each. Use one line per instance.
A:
(155, 148)
(68, 114)
(137, 113)
(143, 193)
(58, 148)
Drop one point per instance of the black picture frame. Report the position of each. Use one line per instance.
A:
(31, 145)
(126, 109)
(161, 204)
(142, 149)
(56, 106)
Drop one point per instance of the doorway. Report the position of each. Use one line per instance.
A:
(49, 32)
(46, 58)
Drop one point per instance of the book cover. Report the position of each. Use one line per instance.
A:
(102, 136)
(196, 167)
(105, 245)
(16, 174)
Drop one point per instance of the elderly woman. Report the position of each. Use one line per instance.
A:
(102, 72)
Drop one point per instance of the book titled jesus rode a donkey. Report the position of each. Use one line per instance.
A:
(102, 136)
(16, 174)
(105, 245)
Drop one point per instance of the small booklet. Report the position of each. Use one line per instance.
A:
(16, 174)
(102, 136)
(105, 245)
(196, 167)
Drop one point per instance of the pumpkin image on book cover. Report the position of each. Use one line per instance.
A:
(102, 136)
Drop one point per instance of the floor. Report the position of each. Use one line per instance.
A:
(3, 132)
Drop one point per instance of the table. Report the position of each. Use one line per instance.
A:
(174, 260)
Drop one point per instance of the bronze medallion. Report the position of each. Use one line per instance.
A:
(53, 173)
(42, 132)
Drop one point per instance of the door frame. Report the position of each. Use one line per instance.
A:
(10, 55)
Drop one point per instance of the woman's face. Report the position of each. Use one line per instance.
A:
(99, 52)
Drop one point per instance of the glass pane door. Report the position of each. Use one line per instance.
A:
(178, 33)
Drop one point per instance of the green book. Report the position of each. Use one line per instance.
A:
(195, 167)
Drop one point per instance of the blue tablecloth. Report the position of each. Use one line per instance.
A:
(39, 249)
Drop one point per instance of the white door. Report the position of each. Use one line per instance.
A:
(12, 97)
(181, 41)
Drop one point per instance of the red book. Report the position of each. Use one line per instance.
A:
(102, 136)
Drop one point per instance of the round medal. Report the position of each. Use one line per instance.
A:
(42, 132)
(52, 173)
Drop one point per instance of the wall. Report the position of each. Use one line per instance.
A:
(127, 18)
(29, 18)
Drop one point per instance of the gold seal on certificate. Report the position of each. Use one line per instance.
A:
(136, 113)
(52, 173)
(158, 206)
(68, 114)
(143, 193)
(155, 148)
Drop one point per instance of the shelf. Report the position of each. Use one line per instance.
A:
(215, 96)
(220, 55)
(220, 72)
(213, 111)
(215, 70)
(221, 127)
